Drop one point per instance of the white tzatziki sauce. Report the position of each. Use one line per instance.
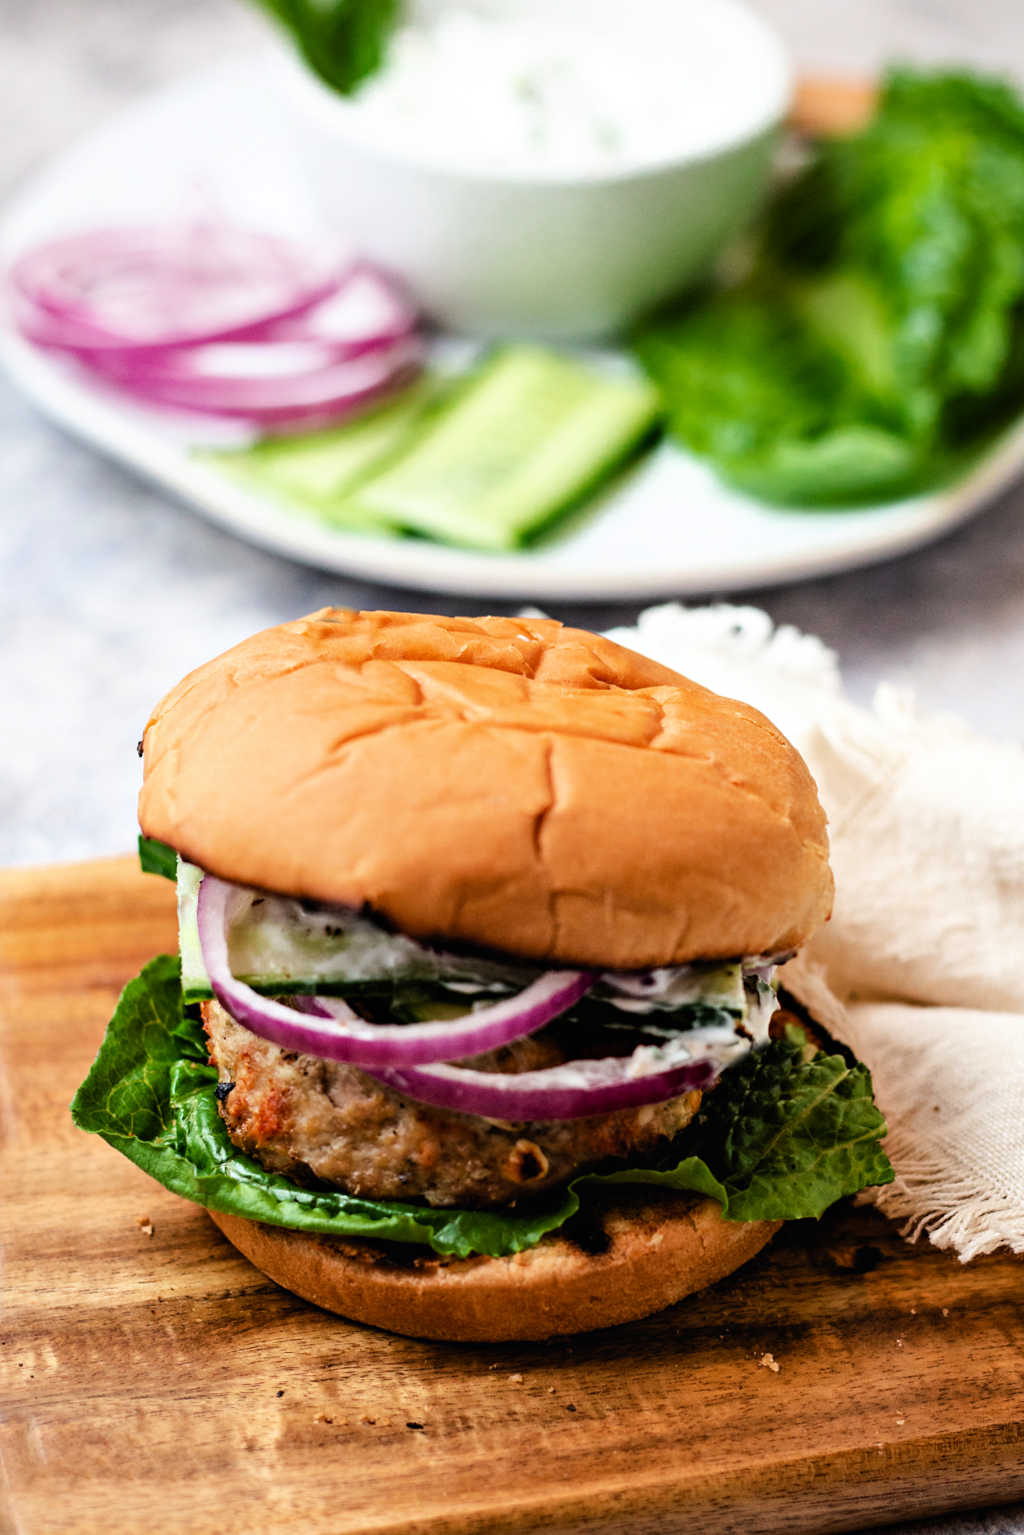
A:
(564, 87)
(279, 944)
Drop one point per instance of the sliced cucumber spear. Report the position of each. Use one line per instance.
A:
(317, 470)
(522, 440)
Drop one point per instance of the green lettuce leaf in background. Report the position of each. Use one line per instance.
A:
(877, 340)
(926, 205)
(343, 41)
(749, 386)
(784, 1135)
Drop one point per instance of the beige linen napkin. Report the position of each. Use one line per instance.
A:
(921, 970)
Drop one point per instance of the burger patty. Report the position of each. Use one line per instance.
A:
(322, 1120)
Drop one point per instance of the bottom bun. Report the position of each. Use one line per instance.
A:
(638, 1251)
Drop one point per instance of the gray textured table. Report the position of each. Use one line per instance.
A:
(110, 592)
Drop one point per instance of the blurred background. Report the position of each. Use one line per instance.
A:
(110, 590)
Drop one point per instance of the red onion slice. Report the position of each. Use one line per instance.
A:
(219, 321)
(368, 312)
(266, 381)
(167, 287)
(365, 313)
(60, 335)
(574, 1090)
(346, 1037)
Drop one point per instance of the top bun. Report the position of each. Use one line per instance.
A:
(503, 781)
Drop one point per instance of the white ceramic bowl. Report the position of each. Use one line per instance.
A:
(555, 254)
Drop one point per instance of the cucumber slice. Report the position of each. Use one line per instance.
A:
(521, 441)
(318, 470)
(718, 986)
(195, 983)
(281, 946)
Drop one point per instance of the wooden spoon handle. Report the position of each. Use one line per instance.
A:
(825, 106)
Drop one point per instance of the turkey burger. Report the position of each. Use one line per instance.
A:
(474, 1031)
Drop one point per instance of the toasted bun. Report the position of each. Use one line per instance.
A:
(505, 782)
(654, 1248)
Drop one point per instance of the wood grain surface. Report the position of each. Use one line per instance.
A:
(153, 1381)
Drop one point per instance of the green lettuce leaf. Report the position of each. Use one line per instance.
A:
(782, 1136)
(927, 205)
(876, 342)
(781, 412)
(344, 41)
(157, 858)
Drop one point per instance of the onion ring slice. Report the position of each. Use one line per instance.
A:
(334, 1032)
(574, 1090)
(167, 287)
(267, 381)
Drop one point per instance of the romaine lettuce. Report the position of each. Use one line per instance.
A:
(781, 1136)
(877, 340)
(157, 858)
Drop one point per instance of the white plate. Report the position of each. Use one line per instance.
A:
(214, 144)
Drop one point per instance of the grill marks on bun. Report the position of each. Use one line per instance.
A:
(643, 1252)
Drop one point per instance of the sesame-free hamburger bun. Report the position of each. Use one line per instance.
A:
(503, 782)
(641, 1250)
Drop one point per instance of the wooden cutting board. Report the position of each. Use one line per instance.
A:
(154, 1382)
